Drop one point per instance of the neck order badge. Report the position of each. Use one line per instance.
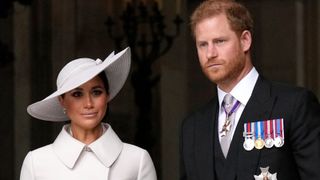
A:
(229, 110)
(265, 175)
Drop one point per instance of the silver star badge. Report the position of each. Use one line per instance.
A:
(265, 175)
(225, 128)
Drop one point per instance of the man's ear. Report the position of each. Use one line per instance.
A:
(245, 40)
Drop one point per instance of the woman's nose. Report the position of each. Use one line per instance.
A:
(88, 101)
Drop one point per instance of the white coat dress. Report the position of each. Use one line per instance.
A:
(107, 158)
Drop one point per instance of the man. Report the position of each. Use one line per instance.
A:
(268, 130)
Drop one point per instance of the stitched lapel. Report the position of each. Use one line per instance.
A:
(204, 135)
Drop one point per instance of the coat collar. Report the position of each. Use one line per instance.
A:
(107, 147)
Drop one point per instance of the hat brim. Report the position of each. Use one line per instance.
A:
(116, 68)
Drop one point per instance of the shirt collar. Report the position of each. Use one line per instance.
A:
(107, 147)
(243, 90)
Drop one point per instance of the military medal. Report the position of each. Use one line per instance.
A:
(248, 143)
(278, 142)
(259, 142)
(268, 142)
(268, 134)
(261, 134)
(279, 138)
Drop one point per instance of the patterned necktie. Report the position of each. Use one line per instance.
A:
(229, 108)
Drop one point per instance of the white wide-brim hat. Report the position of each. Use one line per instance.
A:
(78, 72)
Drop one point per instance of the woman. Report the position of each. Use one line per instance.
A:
(86, 149)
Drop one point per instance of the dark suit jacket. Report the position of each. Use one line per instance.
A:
(297, 159)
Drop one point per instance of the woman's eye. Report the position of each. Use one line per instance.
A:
(97, 92)
(76, 94)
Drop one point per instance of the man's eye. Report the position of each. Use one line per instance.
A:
(202, 45)
(220, 41)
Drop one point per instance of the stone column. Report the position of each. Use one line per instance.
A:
(22, 83)
(6, 96)
(63, 31)
(318, 48)
(183, 88)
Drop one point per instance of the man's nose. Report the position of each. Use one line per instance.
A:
(212, 52)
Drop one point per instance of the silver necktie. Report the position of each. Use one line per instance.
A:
(229, 106)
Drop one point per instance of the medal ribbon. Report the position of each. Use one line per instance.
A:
(270, 124)
(266, 129)
(233, 109)
(262, 129)
(274, 128)
(278, 124)
(253, 129)
(247, 129)
(281, 127)
(259, 130)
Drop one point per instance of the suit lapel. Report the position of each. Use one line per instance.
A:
(204, 141)
(259, 107)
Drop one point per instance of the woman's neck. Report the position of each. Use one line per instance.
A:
(86, 136)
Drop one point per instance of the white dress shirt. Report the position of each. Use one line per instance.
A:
(107, 158)
(241, 92)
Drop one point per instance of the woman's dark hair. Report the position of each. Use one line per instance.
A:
(104, 78)
(105, 81)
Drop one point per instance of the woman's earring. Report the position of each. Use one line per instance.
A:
(64, 110)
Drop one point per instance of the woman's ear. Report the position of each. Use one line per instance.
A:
(245, 40)
(61, 100)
